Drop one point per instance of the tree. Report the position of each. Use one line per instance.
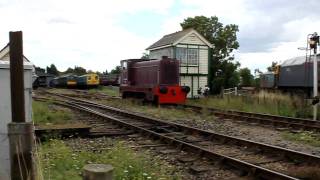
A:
(145, 56)
(224, 40)
(116, 70)
(39, 70)
(79, 70)
(106, 72)
(99, 73)
(272, 67)
(246, 77)
(52, 70)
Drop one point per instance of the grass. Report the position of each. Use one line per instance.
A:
(167, 113)
(58, 161)
(263, 102)
(108, 90)
(305, 137)
(46, 112)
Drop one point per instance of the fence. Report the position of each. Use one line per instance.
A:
(236, 91)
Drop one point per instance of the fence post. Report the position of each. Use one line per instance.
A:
(236, 91)
(222, 92)
(97, 172)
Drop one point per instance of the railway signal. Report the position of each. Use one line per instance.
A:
(313, 44)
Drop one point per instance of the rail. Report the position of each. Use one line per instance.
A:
(161, 130)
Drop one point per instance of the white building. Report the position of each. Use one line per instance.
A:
(193, 51)
(5, 106)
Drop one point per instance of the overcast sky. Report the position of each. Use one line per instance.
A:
(97, 34)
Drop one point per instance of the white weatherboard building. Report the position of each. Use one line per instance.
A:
(193, 51)
(5, 106)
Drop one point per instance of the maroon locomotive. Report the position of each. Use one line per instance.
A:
(152, 80)
(109, 79)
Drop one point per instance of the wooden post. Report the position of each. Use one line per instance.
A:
(97, 172)
(16, 77)
(19, 131)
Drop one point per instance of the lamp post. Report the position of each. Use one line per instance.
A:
(313, 43)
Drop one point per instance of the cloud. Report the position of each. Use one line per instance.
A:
(98, 34)
(58, 20)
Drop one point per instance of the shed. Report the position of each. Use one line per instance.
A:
(5, 56)
(44, 79)
(5, 106)
(193, 52)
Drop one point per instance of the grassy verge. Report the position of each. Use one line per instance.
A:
(271, 103)
(46, 112)
(108, 90)
(57, 161)
(306, 137)
(168, 113)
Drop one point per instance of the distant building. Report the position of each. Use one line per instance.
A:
(193, 50)
(43, 79)
(5, 56)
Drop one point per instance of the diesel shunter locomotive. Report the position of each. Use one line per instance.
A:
(152, 80)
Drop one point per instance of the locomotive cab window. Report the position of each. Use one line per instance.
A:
(124, 65)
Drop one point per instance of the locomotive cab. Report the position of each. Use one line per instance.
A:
(153, 80)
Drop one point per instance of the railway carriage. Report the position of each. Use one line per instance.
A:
(88, 80)
(152, 80)
(69, 81)
(293, 75)
(109, 79)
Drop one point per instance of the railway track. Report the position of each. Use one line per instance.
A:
(263, 119)
(252, 158)
(280, 122)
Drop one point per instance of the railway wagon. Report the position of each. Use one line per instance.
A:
(69, 81)
(293, 75)
(267, 80)
(109, 79)
(88, 80)
(152, 80)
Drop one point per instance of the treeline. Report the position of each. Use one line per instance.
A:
(77, 70)
(224, 70)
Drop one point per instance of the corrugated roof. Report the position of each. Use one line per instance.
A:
(170, 38)
(298, 60)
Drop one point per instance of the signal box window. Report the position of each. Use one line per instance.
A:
(193, 56)
(182, 55)
(187, 56)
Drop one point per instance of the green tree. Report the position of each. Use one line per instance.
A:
(106, 72)
(145, 56)
(39, 70)
(116, 70)
(224, 40)
(79, 70)
(246, 77)
(52, 69)
(69, 71)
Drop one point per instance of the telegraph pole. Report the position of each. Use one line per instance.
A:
(313, 42)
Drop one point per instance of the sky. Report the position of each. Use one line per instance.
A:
(97, 34)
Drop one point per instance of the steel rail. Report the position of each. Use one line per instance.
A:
(250, 169)
(290, 154)
(277, 121)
